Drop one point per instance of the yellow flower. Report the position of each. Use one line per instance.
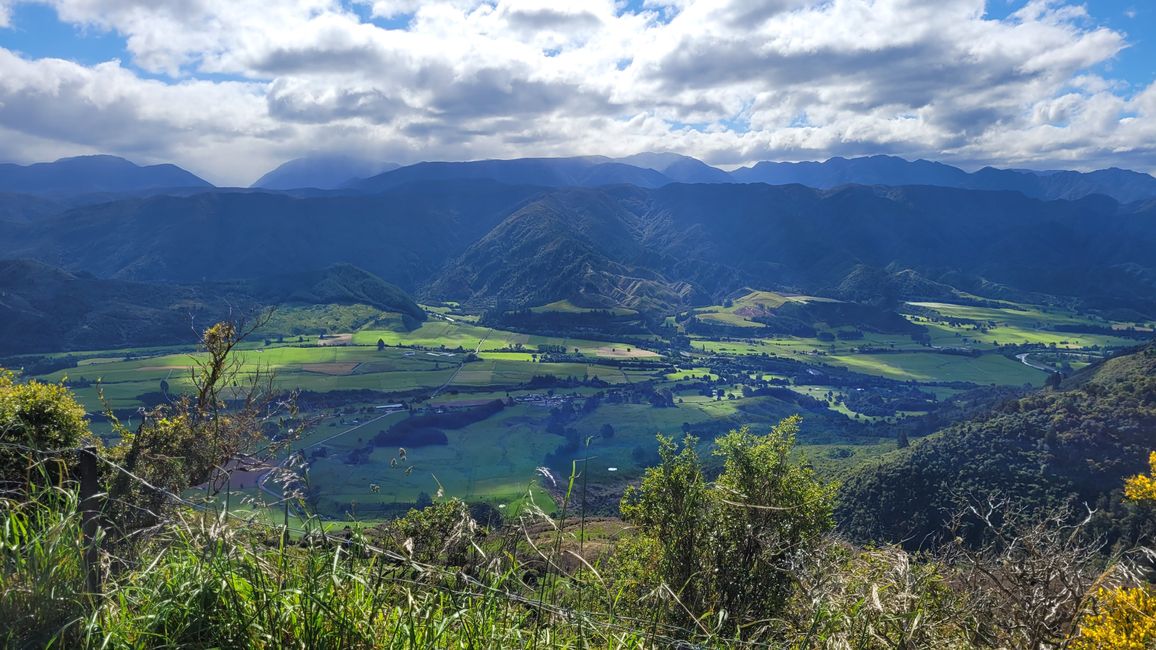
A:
(1123, 619)
(1143, 487)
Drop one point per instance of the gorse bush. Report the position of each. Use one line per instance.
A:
(41, 417)
(1122, 619)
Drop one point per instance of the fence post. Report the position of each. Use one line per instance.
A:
(90, 518)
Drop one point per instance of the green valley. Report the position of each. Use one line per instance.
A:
(358, 371)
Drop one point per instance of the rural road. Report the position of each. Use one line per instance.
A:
(1023, 357)
(477, 349)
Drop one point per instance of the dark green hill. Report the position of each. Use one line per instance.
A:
(46, 309)
(574, 244)
(1076, 444)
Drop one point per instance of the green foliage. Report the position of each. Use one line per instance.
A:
(726, 549)
(34, 415)
(440, 533)
(41, 576)
(188, 441)
(770, 509)
(671, 506)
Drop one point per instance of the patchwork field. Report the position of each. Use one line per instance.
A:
(598, 404)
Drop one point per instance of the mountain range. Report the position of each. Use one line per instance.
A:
(652, 249)
(652, 170)
(347, 174)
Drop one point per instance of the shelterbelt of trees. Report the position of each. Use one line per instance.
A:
(1034, 538)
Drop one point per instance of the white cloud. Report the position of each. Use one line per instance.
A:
(731, 81)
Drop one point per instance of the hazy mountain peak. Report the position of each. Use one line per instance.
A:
(322, 171)
(677, 167)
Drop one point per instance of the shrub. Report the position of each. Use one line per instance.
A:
(728, 549)
(34, 416)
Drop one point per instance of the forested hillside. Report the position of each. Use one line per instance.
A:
(658, 250)
(1069, 445)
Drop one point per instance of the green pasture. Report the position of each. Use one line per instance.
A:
(493, 461)
(1026, 316)
(739, 312)
(1021, 324)
(451, 335)
(729, 318)
(945, 335)
(929, 366)
(567, 307)
(311, 320)
(686, 374)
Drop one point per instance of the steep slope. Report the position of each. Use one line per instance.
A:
(93, 174)
(326, 172)
(1075, 444)
(572, 244)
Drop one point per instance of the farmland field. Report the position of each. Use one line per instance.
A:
(600, 402)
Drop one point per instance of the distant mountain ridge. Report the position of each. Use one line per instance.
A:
(581, 171)
(1122, 185)
(653, 170)
(93, 174)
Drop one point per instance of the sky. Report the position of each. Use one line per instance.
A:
(231, 88)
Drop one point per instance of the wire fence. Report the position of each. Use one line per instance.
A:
(93, 504)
